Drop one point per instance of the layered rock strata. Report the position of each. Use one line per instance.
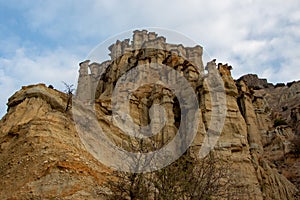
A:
(42, 156)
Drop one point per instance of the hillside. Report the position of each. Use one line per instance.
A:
(47, 149)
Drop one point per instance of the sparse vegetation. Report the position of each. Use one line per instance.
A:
(69, 91)
(279, 122)
(188, 178)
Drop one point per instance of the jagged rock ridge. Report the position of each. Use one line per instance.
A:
(42, 157)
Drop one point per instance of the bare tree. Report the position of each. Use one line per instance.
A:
(188, 178)
(69, 91)
(191, 178)
(132, 186)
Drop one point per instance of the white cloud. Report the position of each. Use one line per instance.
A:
(7, 86)
(25, 68)
(253, 36)
(49, 67)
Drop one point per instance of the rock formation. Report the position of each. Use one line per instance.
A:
(40, 151)
(254, 82)
(142, 40)
(42, 156)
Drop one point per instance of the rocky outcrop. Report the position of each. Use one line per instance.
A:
(144, 45)
(257, 116)
(282, 131)
(254, 82)
(246, 122)
(42, 156)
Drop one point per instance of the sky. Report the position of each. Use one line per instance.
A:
(43, 41)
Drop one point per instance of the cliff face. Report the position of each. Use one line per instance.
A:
(280, 139)
(271, 142)
(42, 156)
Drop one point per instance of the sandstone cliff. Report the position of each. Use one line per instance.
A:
(42, 156)
(280, 139)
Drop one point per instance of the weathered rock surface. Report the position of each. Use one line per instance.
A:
(254, 82)
(278, 140)
(42, 156)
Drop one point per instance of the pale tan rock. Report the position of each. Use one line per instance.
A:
(42, 156)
